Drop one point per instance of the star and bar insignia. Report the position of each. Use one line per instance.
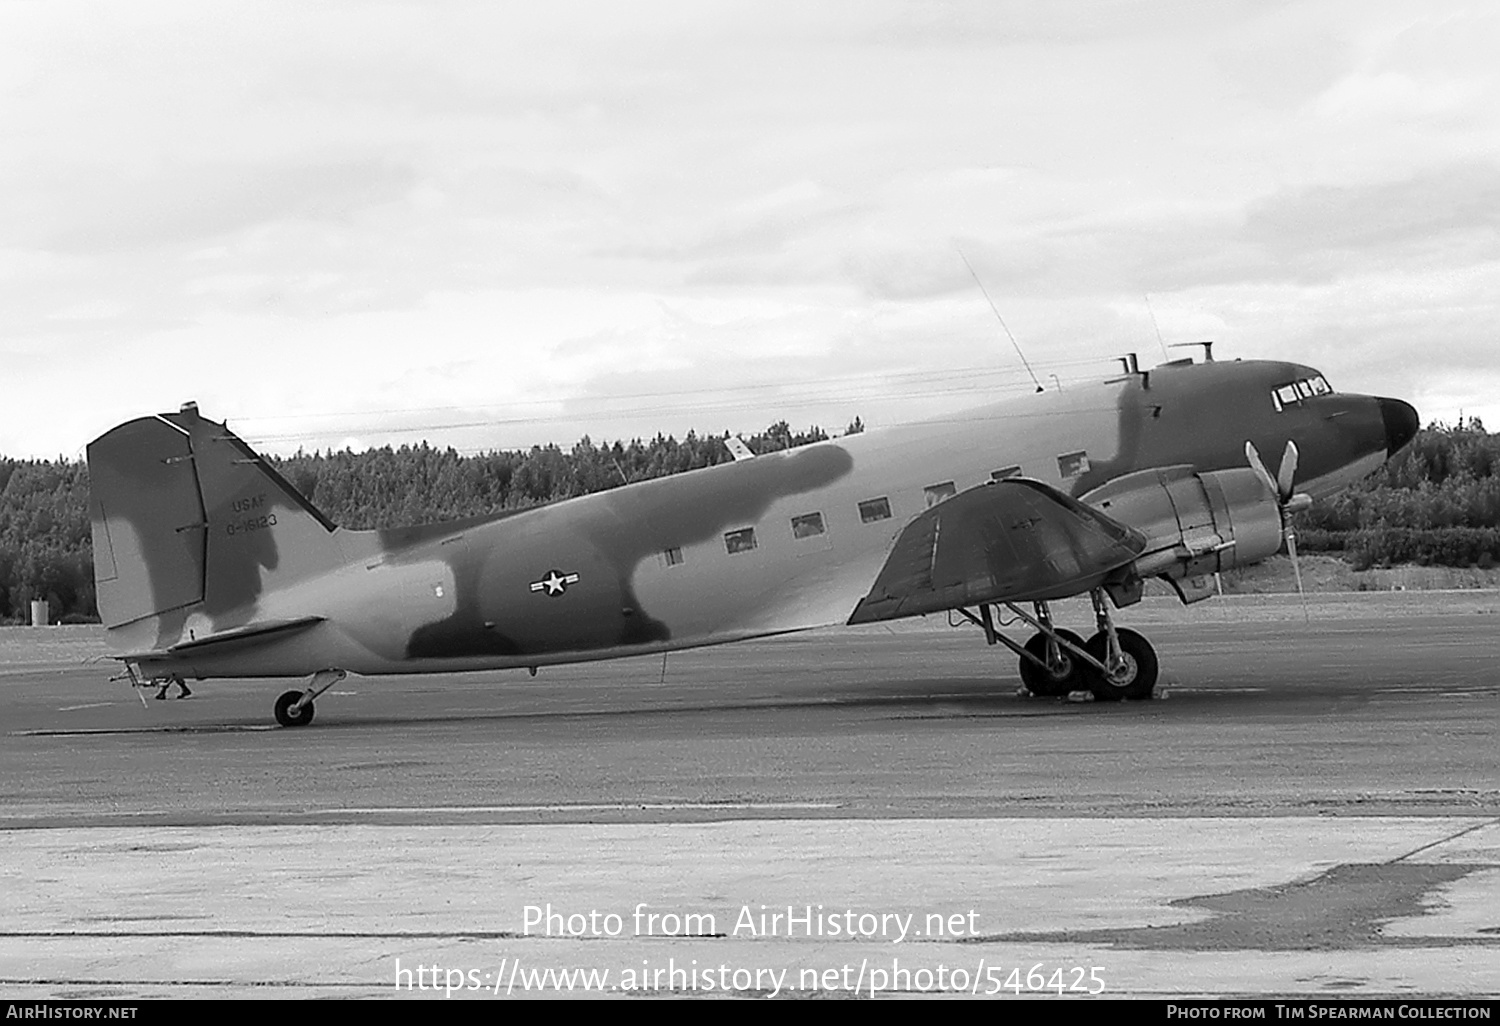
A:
(555, 583)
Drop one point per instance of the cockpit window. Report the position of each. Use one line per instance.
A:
(1283, 396)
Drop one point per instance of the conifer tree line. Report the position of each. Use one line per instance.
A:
(1437, 503)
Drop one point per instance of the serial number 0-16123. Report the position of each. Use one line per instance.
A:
(250, 524)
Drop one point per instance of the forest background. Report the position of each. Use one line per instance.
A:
(1437, 503)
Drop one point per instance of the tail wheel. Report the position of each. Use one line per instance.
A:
(1066, 677)
(1134, 678)
(284, 715)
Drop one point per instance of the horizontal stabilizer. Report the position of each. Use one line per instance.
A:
(238, 636)
(1003, 541)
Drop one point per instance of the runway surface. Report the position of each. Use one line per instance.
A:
(1335, 785)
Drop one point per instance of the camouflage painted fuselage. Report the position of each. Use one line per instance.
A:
(648, 567)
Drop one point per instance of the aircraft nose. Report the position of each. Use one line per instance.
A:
(1400, 419)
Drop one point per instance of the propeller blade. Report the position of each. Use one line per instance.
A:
(1291, 550)
(1281, 486)
(1252, 456)
(1287, 473)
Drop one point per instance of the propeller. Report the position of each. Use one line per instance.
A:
(1287, 501)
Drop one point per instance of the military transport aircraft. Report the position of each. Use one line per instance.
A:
(209, 564)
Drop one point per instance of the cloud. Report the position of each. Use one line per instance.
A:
(760, 225)
(919, 270)
(1441, 217)
(440, 204)
(1428, 207)
(103, 208)
(949, 23)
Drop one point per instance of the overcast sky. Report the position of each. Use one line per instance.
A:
(497, 224)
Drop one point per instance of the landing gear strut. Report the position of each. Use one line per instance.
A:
(295, 708)
(1115, 663)
(1053, 671)
(1129, 666)
(1064, 672)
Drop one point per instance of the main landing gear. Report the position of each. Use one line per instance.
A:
(1115, 663)
(295, 708)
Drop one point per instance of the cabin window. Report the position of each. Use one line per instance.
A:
(1287, 394)
(1320, 385)
(938, 492)
(809, 525)
(1072, 464)
(1304, 390)
(872, 510)
(740, 541)
(673, 556)
(1001, 475)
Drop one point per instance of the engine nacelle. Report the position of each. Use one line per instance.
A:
(1195, 524)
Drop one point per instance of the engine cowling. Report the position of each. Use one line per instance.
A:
(1194, 523)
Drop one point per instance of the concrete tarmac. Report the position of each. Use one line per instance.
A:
(1311, 810)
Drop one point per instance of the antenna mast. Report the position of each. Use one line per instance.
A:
(1147, 297)
(996, 312)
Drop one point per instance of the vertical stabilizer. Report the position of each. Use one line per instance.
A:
(186, 516)
(147, 517)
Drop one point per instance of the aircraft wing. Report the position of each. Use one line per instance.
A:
(1015, 540)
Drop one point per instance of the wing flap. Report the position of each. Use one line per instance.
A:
(1004, 541)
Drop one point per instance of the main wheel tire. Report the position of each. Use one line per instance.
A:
(286, 717)
(1136, 679)
(1046, 684)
